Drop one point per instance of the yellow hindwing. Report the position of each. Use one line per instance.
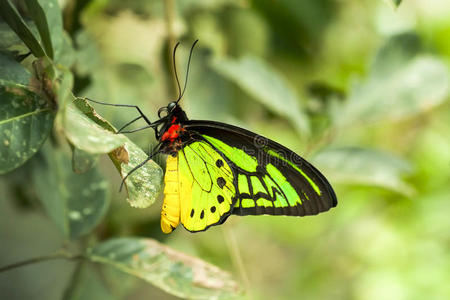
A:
(170, 212)
(199, 188)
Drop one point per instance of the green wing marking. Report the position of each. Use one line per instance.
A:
(236, 155)
(268, 182)
(313, 185)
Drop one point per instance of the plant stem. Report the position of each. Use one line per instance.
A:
(169, 10)
(236, 257)
(57, 255)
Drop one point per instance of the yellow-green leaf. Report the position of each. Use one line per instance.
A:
(87, 135)
(144, 185)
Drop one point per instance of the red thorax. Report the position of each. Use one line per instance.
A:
(173, 132)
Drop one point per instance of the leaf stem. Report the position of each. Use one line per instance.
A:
(62, 254)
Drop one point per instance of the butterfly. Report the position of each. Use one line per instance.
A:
(214, 170)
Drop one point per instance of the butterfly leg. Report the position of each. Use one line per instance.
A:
(129, 123)
(124, 105)
(149, 157)
(142, 116)
(152, 125)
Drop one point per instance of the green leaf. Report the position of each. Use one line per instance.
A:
(37, 14)
(87, 135)
(364, 166)
(12, 71)
(401, 84)
(26, 120)
(64, 86)
(90, 112)
(9, 39)
(267, 86)
(83, 161)
(395, 53)
(88, 55)
(145, 184)
(75, 202)
(11, 16)
(168, 269)
(63, 51)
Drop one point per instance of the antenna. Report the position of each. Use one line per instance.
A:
(187, 70)
(175, 69)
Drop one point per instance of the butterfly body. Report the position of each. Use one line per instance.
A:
(214, 170)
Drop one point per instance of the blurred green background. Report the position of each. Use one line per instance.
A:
(359, 88)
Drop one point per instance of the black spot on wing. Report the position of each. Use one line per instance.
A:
(221, 182)
(219, 163)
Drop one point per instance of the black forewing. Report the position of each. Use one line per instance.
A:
(259, 146)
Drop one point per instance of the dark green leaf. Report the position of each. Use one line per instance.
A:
(267, 86)
(168, 269)
(75, 202)
(365, 166)
(61, 43)
(26, 120)
(11, 16)
(38, 15)
(12, 71)
(8, 38)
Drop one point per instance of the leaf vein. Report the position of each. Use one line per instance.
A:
(24, 115)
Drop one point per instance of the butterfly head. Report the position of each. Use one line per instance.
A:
(166, 111)
(172, 111)
(172, 105)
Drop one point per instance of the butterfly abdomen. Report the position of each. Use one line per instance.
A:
(170, 212)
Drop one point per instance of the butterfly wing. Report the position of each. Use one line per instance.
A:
(269, 178)
(199, 188)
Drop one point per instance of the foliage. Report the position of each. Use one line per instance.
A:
(360, 88)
